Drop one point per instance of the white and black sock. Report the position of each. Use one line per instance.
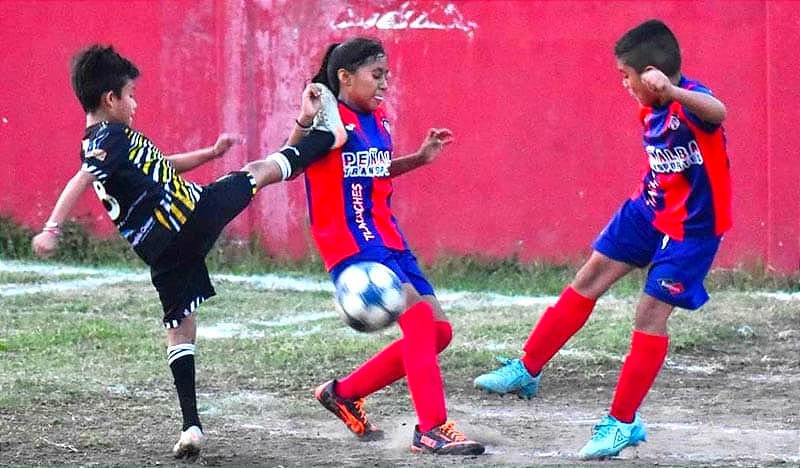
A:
(181, 360)
(309, 149)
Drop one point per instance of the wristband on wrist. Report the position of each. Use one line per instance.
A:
(304, 127)
(52, 227)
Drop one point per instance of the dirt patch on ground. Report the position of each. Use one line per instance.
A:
(737, 407)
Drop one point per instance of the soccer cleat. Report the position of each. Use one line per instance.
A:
(189, 444)
(445, 440)
(327, 118)
(610, 436)
(350, 411)
(512, 377)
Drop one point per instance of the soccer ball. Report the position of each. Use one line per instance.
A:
(370, 296)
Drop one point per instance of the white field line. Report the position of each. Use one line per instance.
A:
(450, 299)
(106, 276)
(278, 282)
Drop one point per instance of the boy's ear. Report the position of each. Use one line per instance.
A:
(107, 99)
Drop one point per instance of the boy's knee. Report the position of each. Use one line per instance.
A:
(652, 315)
(264, 172)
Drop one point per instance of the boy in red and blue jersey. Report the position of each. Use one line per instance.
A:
(673, 222)
(349, 199)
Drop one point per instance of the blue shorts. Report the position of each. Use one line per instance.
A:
(677, 268)
(402, 262)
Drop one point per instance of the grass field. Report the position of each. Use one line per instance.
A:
(83, 377)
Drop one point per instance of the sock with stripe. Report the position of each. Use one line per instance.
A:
(308, 150)
(181, 361)
(639, 371)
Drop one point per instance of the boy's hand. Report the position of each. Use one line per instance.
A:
(434, 142)
(658, 83)
(45, 244)
(224, 143)
(312, 102)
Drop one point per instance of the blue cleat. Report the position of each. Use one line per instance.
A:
(513, 377)
(610, 436)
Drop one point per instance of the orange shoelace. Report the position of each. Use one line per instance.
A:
(359, 404)
(357, 420)
(451, 432)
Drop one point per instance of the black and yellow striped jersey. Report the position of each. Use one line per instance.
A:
(145, 197)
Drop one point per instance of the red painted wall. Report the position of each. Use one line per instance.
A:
(547, 139)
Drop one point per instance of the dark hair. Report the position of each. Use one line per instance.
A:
(650, 44)
(97, 70)
(349, 55)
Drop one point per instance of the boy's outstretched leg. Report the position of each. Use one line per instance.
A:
(326, 133)
(555, 327)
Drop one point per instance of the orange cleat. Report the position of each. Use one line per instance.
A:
(351, 412)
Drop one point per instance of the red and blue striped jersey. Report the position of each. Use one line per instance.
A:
(349, 191)
(686, 190)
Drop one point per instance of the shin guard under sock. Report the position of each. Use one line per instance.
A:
(639, 371)
(181, 361)
(423, 375)
(310, 148)
(555, 328)
(385, 367)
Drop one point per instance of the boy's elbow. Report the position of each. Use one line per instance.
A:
(722, 112)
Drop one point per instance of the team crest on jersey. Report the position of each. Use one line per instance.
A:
(97, 153)
(385, 123)
(674, 122)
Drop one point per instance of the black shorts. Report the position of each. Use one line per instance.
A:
(179, 273)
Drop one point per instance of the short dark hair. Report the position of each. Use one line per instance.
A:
(651, 43)
(97, 70)
(349, 55)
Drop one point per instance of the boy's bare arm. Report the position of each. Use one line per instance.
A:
(46, 242)
(704, 106)
(187, 161)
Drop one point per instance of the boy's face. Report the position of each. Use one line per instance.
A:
(632, 81)
(365, 88)
(121, 108)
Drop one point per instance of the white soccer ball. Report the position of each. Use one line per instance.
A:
(370, 296)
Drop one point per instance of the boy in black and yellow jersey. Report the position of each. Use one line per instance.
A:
(170, 222)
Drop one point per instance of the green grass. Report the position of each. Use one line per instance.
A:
(472, 272)
(82, 344)
(78, 344)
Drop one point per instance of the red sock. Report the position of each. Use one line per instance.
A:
(385, 367)
(556, 327)
(639, 371)
(423, 376)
